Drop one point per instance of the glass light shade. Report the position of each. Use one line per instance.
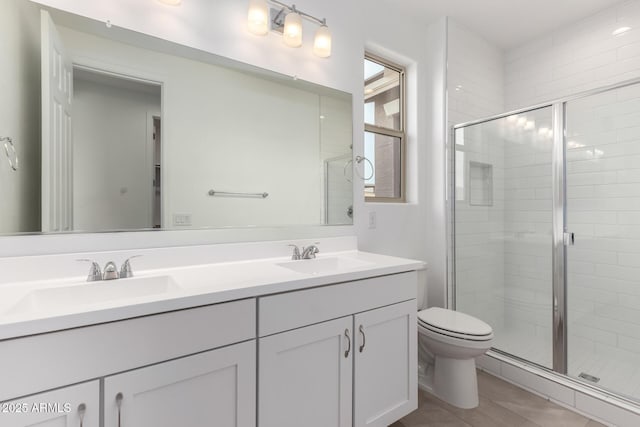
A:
(258, 17)
(322, 42)
(292, 35)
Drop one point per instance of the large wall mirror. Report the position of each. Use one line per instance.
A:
(105, 129)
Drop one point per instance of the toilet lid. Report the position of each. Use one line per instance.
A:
(454, 321)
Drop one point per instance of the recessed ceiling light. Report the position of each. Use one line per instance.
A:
(171, 2)
(619, 31)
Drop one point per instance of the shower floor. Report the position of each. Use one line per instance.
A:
(615, 374)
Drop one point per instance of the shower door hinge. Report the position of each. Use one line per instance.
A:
(569, 239)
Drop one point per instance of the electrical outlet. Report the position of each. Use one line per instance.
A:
(373, 221)
(182, 220)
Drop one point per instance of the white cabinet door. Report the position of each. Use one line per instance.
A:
(74, 406)
(306, 376)
(386, 371)
(215, 388)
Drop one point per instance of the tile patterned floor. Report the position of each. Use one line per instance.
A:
(501, 405)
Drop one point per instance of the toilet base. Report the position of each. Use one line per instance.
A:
(455, 381)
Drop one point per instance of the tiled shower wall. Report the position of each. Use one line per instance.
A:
(603, 176)
(475, 87)
(603, 172)
(575, 58)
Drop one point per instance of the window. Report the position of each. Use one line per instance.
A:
(384, 137)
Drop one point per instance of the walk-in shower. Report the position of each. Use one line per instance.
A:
(545, 209)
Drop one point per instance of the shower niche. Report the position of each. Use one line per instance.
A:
(480, 184)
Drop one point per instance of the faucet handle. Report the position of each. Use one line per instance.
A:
(126, 270)
(95, 273)
(296, 253)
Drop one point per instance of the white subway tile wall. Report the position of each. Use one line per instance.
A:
(575, 58)
(475, 87)
(603, 201)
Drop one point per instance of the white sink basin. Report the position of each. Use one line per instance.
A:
(324, 265)
(90, 293)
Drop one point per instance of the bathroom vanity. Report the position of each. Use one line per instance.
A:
(271, 342)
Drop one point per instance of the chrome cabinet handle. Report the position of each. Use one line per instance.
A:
(119, 398)
(364, 338)
(82, 408)
(346, 334)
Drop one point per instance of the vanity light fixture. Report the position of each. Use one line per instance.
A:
(292, 32)
(322, 41)
(258, 19)
(287, 20)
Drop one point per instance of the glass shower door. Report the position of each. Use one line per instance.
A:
(503, 230)
(603, 210)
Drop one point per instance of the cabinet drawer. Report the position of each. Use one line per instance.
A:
(292, 310)
(42, 362)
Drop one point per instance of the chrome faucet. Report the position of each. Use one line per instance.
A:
(309, 252)
(110, 271)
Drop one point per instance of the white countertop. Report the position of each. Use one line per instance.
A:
(196, 286)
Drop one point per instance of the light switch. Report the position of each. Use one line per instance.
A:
(182, 219)
(373, 220)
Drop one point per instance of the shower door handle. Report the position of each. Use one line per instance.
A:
(569, 239)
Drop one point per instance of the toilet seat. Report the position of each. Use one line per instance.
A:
(454, 324)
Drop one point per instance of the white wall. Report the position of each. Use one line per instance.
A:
(220, 27)
(20, 89)
(433, 115)
(112, 156)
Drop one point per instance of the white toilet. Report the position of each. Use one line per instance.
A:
(454, 339)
